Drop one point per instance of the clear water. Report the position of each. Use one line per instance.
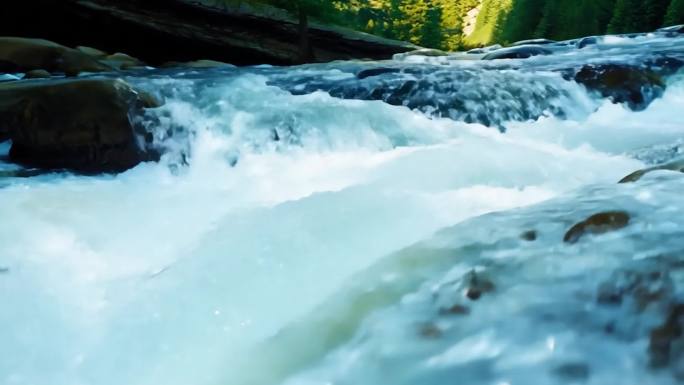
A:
(293, 237)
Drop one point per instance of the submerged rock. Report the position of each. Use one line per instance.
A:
(635, 86)
(636, 175)
(22, 55)
(573, 371)
(518, 52)
(480, 51)
(529, 236)
(673, 29)
(597, 224)
(664, 337)
(81, 125)
(587, 41)
(477, 285)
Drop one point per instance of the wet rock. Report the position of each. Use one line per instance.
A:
(480, 51)
(198, 64)
(430, 331)
(572, 371)
(457, 309)
(83, 125)
(529, 236)
(429, 52)
(122, 61)
(477, 285)
(663, 338)
(632, 85)
(37, 74)
(587, 41)
(4, 270)
(533, 42)
(597, 224)
(376, 72)
(641, 288)
(92, 52)
(22, 55)
(519, 52)
(636, 175)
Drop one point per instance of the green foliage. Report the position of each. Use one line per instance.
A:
(439, 23)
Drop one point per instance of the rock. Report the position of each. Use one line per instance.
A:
(21, 173)
(430, 52)
(519, 52)
(480, 51)
(376, 72)
(457, 309)
(632, 85)
(663, 337)
(37, 74)
(92, 52)
(529, 236)
(573, 371)
(641, 287)
(430, 331)
(672, 29)
(22, 55)
(587, 41)
(83, 125)
(533, 42)
(597, 224)
(4, 270)
(122, 61)
(477, 285)
(677, 165)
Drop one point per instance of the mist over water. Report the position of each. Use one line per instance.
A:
(245, 256)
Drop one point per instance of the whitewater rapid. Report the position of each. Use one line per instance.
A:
(275, 243)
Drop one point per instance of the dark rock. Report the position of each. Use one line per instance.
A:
(430, 331)
(198, 64)
(455, 310)
(4, 270)
(22, 55)
(21, 173)
(519, 52)
(663, 337)
(376, 72)
(529, 236)
(92, 52)
(587, 41)
(37, 74)
(597, 224)
(81, 125)
(642, 288)
(477, 285)
(533, 42)
(633, 85)
(159, 31)
(122, 61)
(573, 371)
(636, 175)
(484, 50)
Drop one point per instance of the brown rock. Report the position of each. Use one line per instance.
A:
(21, 55)
(37, 74)
(636, 175)
(83, 125)
(597, 224)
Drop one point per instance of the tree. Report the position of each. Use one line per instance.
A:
(675, 13)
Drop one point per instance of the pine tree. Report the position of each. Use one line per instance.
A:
(675, 13)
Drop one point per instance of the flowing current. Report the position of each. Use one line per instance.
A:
(310, 225)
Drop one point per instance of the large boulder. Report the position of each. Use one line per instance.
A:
(23, 55)
(518, 52)
(635, 86)
(83, 125)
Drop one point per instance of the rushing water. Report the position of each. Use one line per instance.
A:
(304, 228)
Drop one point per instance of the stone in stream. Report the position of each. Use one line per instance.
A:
(587, 41)
(664, 338)
(37, 74)
(533, 42)
(572, 371)
(597, 224)
(22, 55)
(519, 52)
(122, 61)
(484, 50)
(83, 125)
(636, 175)
(92, 52)
(477, 285)
(640, 288)
(529, 236)
(376, 72)
(635, 86)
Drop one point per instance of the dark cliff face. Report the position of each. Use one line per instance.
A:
(158, 31)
